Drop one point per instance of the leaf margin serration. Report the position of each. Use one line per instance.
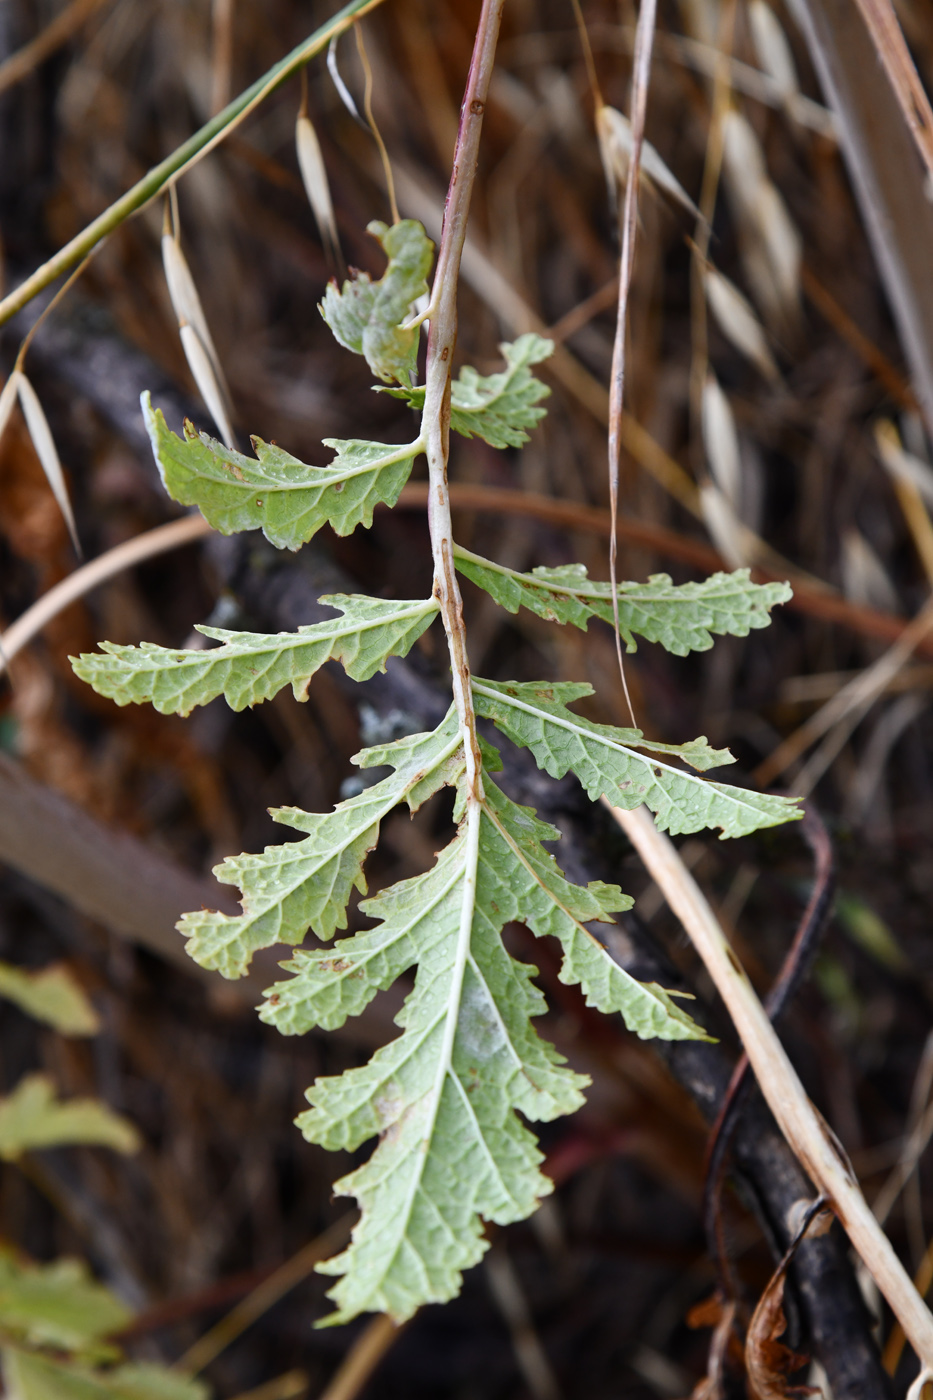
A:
(175, 680)
(700, 804)
(269, 493)
(567, 595)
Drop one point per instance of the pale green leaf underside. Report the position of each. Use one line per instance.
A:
(274, 491)
(250, 667)
(52, 995)
(306, 884)
(365, 316)
(499, 408)
(606, 763)
(31, 1376)
(32, 1118)
(682, 617)
(443, 1096)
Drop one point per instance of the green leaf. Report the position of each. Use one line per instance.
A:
(307, 884)
(444, 1096)
(605, 760)
(682, 617)
(275, 492)
(500, 408)
(52, 995)
(366, 316)
(250, 667)
(58, 1305)
(29, 1376)
(32, 1118)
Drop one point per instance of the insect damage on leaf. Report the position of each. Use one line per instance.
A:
(367, 316)
(274, 491)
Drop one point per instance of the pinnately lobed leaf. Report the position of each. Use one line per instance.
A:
(249, 667)
(500, 408)
(306, 884)
(443, 1096)
(605, 760)
(274, 491)
(681, 617)
(366, 316)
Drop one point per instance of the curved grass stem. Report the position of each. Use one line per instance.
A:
(181, 160)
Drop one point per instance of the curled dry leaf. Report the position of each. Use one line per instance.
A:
(770, 1363)
(738, 322)
(724, 1345)
(771, 244)
(614, 132)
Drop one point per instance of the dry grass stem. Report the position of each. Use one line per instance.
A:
(90, 576)
(807, 1133)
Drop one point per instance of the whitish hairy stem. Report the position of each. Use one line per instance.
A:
(442, 339)
(820, 1155)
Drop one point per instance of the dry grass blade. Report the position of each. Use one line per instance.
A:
(772, 49)
(222, 53)
(641, 73)
(292, 1272)
(738, 322)
(771, 244)
(913, 484)
(20, 64)
(196, 340)
(44, 443)
(925, 1378)
(725, 529)
(530, 1354)
(363, 1358)
(317, 186)
(614, 132)
(721, 440)
(844, 711)
(8, 399)
(901, 464)
(123, 556)
(807, 1134)
(286, 1387)
(891, 48)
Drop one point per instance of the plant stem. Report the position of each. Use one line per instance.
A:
(808, 1135)
(181, 160)
(442, 339)
(641, 76)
